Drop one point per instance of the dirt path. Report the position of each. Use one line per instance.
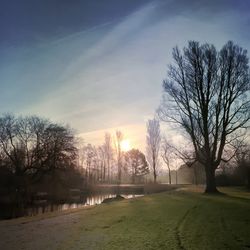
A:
(48, 233)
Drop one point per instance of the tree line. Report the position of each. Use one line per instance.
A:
(37, 154)
(107, 163)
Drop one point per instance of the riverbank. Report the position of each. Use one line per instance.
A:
(185, 219)
(43, 202)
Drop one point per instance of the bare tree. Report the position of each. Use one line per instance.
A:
(81, 155)
(207, 94)
(153, 144)
(33, 148)
(11, 147)
(166, 156)
(59, 147)
(89, 152)
(101, 162)
(243, 161)
(33, 145)
(119, 138)
(108, 150)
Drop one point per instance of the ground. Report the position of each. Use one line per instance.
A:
(183, 219)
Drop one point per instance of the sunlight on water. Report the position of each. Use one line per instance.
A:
(88, 201)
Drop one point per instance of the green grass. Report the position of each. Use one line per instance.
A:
(170, 220)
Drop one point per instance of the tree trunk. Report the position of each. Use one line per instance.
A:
(104, 172)
(154, 168)
(210, 180)
(108, 171)
(133, 179)
(169, 175)
(119, 172)
(154, 174)
(195, 176)
(248, 178)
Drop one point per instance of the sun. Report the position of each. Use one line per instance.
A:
(125, 145)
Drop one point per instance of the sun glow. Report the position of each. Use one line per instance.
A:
(125, 145)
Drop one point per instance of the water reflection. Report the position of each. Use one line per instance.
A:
(97, 199)
(130, 196)
(88, 201)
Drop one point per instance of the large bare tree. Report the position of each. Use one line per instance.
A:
(153, 144)
(207, 94)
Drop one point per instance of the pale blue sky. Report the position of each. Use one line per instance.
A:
(98, 66)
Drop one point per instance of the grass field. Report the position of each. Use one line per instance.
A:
(185, 219)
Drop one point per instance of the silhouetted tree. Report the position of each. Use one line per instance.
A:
(136, 162)
(58, 146)
(36, 153)
(153, 144)
(207, 94)
(34, 145)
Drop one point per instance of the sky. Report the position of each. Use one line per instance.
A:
(99, 65)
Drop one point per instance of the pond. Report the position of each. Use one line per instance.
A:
(44, 206)
(90, 200)
(42, 202)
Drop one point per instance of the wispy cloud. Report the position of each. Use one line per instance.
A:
(110, 76)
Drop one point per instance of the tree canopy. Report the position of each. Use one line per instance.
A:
(136, 161)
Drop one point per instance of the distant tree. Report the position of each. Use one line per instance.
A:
(108, 151)
(101, 159)
(12, 149)
(17, 147)
(153, 144)
(58, 147)
(89, 152)
(119, 138)
(136, 162)
(207, 94)
(166, 154)
(34, 145)
(81, 155)
(243, 161)
(36, 152)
